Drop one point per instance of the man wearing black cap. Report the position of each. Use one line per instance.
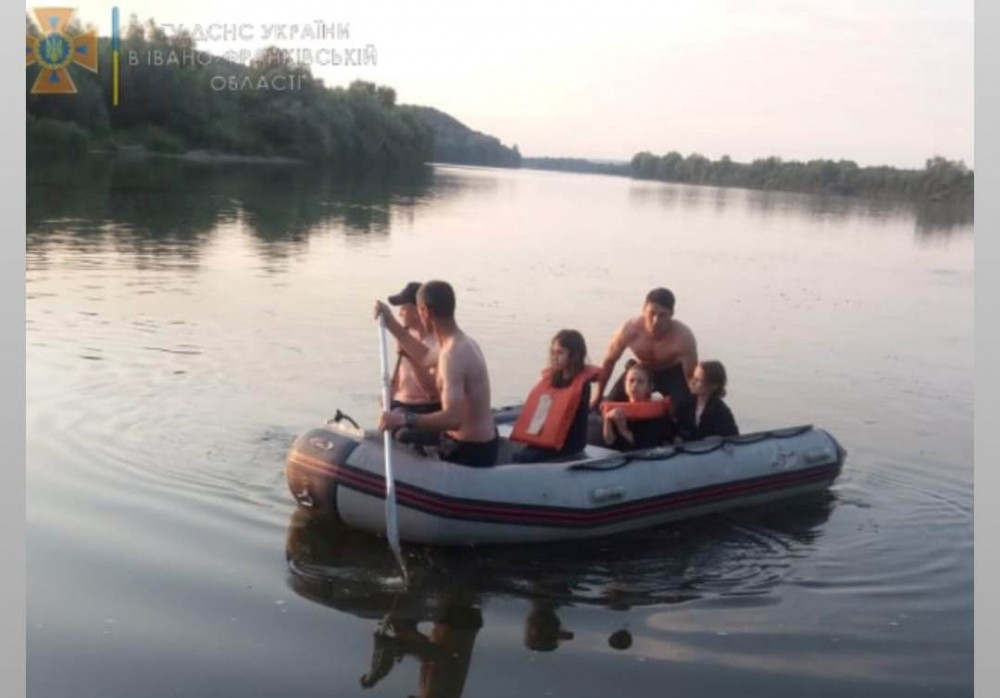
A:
(413, 386)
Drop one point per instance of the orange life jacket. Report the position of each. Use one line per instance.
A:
(641, 411)
(548, 412)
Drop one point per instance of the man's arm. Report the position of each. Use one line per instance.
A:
(394, 384)
(619, 342)
(408, 344)
(689, 355)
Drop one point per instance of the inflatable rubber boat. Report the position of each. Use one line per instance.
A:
(338, 470)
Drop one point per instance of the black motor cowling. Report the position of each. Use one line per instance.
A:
(311, 468)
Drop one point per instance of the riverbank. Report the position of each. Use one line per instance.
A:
(940, 181)
(197, 156)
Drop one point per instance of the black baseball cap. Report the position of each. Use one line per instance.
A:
(407, 295)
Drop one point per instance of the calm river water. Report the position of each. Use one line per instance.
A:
(186, 322)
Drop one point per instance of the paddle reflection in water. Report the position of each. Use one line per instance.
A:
(745, 553)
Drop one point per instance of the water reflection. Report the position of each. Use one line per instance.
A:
(739, 555)
(936, 220)
(170, 208)
(929, 218)
(445, 653)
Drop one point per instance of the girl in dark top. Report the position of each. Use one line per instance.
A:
(707, 415)
(567, 358)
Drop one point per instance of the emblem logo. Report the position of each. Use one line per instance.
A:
(56, 49)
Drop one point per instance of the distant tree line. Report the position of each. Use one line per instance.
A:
(939, 180)
(455, 142)
(172, 108)
(578, 165)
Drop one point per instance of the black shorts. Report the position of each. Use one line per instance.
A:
(409, 435)
(482, 454)
(422, 408)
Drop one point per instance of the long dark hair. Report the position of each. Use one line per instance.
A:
(715, 375)
(573, 342)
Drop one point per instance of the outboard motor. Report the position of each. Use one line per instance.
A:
(312, 464)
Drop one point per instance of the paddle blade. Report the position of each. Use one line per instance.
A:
(392, 533)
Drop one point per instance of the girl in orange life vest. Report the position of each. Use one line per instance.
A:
(707, 415)
(567, 363)
(652, 430)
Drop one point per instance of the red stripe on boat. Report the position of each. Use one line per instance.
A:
(527, 515)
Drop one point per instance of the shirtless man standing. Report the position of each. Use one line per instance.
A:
(665, 345)
(466, 420)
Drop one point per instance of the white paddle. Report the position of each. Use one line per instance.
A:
(391, 524)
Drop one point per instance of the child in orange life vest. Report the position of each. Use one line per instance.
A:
(567, 360)
(623, 433)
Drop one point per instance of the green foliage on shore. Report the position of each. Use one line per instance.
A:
(940, 180)
(180, 106)
(53, 136)
(454, 142)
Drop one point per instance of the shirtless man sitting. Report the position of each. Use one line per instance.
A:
(664, 345)
(465, 418)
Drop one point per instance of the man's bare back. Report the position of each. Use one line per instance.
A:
(463, 378)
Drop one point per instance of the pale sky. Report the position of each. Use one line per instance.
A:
(879, 82)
